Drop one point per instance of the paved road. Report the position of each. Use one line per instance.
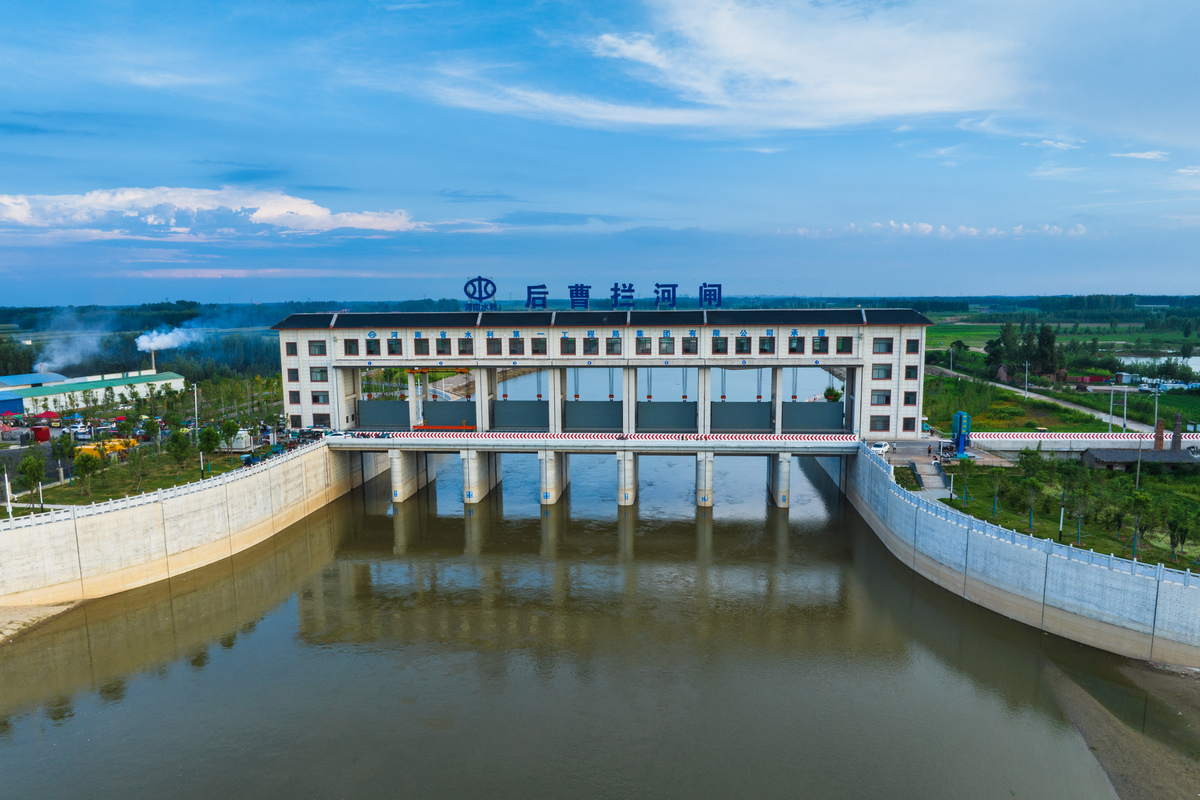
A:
(1100, 415)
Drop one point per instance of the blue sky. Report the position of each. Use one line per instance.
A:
(291, 150)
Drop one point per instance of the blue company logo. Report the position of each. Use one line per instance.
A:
(479, 289)
(371, 335)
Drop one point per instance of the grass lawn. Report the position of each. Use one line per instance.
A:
(1167, 490)
(995, 410)
(1141, 405)
(118, 480)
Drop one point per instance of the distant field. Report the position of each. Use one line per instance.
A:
(976, 336)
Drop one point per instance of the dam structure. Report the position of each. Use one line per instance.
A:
(880, 353)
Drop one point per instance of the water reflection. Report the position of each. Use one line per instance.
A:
(709, 652)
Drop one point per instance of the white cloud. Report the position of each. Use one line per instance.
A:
(1189, 171)
(1149, 155)
(752, 65)
(1052, 170)
(171, 208)
(1053, 144)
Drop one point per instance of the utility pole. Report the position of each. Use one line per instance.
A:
(1026, 380)
(1111, 389)
(7, 493)
(1124, 409)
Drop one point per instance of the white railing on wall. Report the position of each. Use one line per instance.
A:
(1048, 546)
(158, 496)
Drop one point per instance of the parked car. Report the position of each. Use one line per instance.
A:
(880, 448)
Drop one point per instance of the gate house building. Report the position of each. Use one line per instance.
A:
(880, 350)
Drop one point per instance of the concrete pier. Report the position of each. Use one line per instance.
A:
(410, 472)
(703, 396)
(485, 395)
(481, 473)
(627, 478)
(779, 478)
(555, 469)
(704, 479)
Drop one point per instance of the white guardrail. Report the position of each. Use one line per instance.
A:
(157, 496)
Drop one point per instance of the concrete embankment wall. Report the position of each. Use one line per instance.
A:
(102, 549)
(1115, 604)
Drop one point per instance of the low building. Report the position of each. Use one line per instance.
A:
(30, 380)
(67, 395)
(1126, 459)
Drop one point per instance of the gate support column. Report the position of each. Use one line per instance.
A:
(704, 401)
(629, 400)
(556, 386)
(415, 405)
(704, 479)
(777, 400)
(627, 478)
(481, 473)
(555, 469)
(410, 473)
(779, 478)
(485, 395)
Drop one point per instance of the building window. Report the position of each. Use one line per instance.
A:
(881, 423)
(691, 346)
(320, 398)
(350, 346)
(494, 347)
(720, 345)
(591, 347)
(372, 347)
(321, 421)
(294, 398)
(516, 347)
(566, 347)
(741, 345)
(845, 345)
(881, 372)
(395, 347)
(466, 347)
(318, 374)
(912, 346)
(316, 348)
(766, 345)
(538, 346)
(421, 347)
(666, 346)
(443, 347)
(881, 397)
(293, 376)
(290, 348)
(643, 346)
(910, 423)
(820, 345)
(910, 398)
(795, 345)
(612, 347)
(882, 346)
(297, 423)
(910, 372)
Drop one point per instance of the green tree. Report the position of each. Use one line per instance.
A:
(229, 431)
(62, 447)
(32, 471)
(87, 465)
(179, 448)
(138, 464)
(125, 429)
(210, 440)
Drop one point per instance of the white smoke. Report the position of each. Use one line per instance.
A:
(168, 340)
(61, 353)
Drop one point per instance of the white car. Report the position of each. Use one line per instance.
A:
(880, 448)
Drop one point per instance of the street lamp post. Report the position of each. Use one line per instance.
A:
(1026, 380)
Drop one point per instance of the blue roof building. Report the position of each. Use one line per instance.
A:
(30, 379)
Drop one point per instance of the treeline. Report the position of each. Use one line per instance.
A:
(149, 316)
(229, 355)
(15, 358)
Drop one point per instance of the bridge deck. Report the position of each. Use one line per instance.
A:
(814, 444)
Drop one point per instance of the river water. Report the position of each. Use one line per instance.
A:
(511, 650)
